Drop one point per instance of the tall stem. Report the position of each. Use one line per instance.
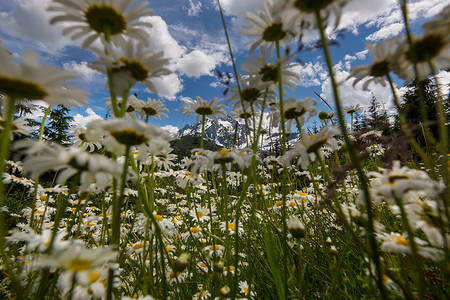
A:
(203, 131)
(118, 201)
(4, 153)
(280, 96)
(413, 52)
(36, 181)
(236, 74)
(405, 128)
(354, 158)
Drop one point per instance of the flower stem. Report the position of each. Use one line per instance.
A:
(354, 158)
(405, 128)
(236, 74)
(203, 131)
(418, 267)
(4, 153)
(280, 96)
(118, 201)
(36, 180)
(112, 94)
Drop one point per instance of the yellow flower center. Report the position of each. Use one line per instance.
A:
(137, 69)
(129, 137)
(274, 32)
(402, 242)
(105, 19)
(204, 110)
(427, 48)
(302, 194)
(149, 111)
(195, 229)
(232, 227)
(311, 5)
(379, 69)
(22, 88)
(93, 277)
(201, 294)
(269, 73)
(79, 264)
(158, 217)
(250, 95)
(138, 246)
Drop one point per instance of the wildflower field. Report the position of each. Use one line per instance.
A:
(338, 214)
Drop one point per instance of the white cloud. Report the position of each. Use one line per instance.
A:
(386, 15)
(196, 64)
(28, 20)
(83, 120)
(358, 56)
(386, 32)
(200, 61)
(311, 74)
(351, 96)
(238, 8)
(161, 39)
(173, 130)
(167, 86)
(38, 107)
(444, 82)
(87, 74)
(195, 7)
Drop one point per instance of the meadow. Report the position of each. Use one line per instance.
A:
(342, 213)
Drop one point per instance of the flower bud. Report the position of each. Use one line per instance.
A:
(323, 115)
(181, 263)
(218, 267)
(296, 228)
(225, 291)
(333, 250)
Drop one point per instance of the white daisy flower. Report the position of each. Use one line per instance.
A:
(244, 288)
(110, 19)
(18, 127)
(400, 244)
(263, 68)
(216, 160)
(300, 14)
(92, 167)
(115, 134)
(31, 81)
(131, 64)
(79, 139)
(202, 295)
(267, 27)
(383, 54)
(203, 108)
(309, 145)
(153, 108)
(219, 250)
(252, 91)
(433, 47)
(295, 110)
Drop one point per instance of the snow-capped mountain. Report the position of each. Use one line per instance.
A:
(222, 133)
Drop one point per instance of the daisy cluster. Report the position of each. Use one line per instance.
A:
(123, 217)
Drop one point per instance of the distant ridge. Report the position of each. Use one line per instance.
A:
(221, 135)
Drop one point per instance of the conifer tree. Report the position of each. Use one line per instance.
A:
(57, 129)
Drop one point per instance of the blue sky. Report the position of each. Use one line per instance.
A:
(191, 34)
